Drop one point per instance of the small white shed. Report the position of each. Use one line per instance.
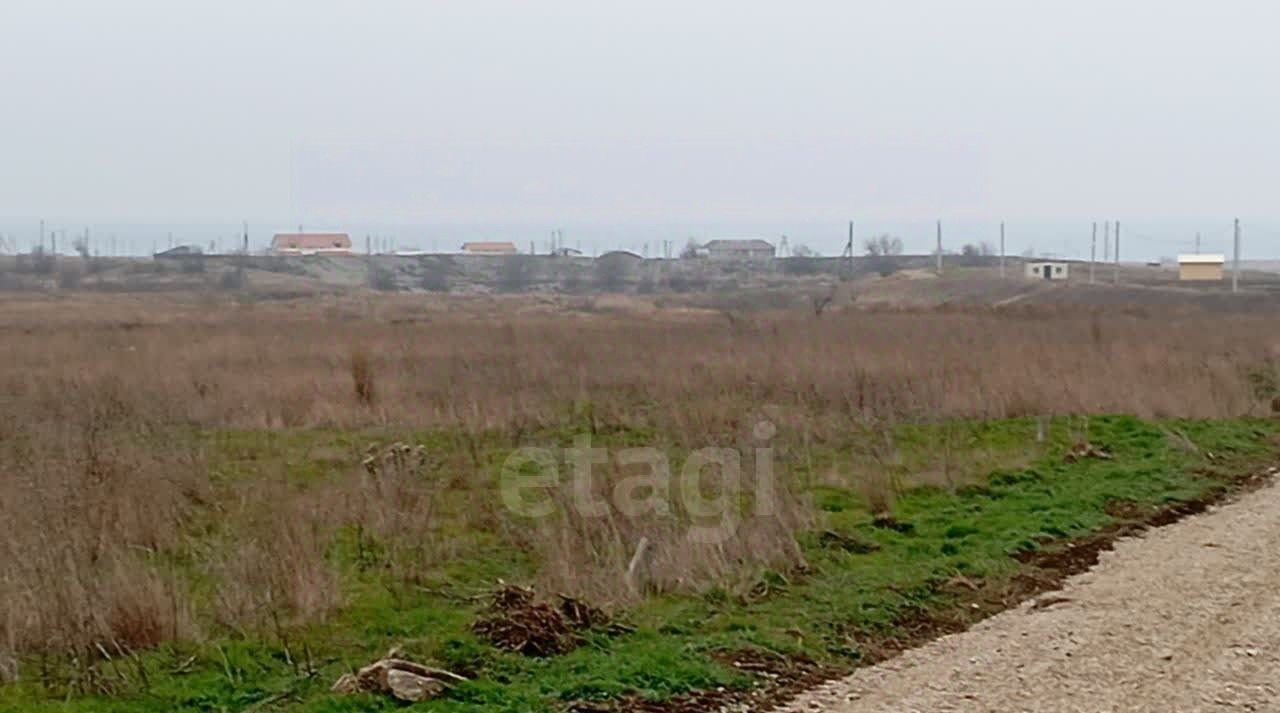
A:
(1047, 270)
(1201, 267)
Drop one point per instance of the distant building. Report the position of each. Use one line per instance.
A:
(490, 248)
(1200, 267)
(180, 251)
(311, 244)
(1045, 270)
(620, 255)
(740, 249)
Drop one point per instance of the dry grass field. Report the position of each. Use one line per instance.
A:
(181, 473)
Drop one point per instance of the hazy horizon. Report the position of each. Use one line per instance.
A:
(1142, 240)
(441, 121)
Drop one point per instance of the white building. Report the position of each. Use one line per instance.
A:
(1201, 267)
(740, 249)
(1047, 270)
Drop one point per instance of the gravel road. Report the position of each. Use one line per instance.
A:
(1184, 618)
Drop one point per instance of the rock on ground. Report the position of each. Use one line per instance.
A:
(400, 679)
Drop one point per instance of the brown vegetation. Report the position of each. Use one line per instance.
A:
(109, 502)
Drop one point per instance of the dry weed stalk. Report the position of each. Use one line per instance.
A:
(362, 379)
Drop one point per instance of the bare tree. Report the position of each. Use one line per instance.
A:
(882, 248)
(981, 249)
(883, 245)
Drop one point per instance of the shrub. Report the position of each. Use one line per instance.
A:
(434, 281)
(884, 265)
(382, 279)
(69, 276)
(232, 279)
(801, 265)
(37, 262)
(362, 378)
(610, 273)
(515, 274)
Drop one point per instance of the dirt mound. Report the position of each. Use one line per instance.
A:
(516, 621)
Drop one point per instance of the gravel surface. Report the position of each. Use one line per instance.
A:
(1183, 618)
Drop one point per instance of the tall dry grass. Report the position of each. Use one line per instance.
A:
(91, 498)
(108, 503)
(276, 367)
(625, 533)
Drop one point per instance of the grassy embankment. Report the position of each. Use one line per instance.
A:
(998, 493)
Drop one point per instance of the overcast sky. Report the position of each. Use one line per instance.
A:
(557, 110)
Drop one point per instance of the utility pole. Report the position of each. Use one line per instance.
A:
(1093, 253)
(1002, 275)
(41, 235)
(849, 247)
(1116, 275)
(244, 256)
(1235, 261)
(848, 253)
(939, 249)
